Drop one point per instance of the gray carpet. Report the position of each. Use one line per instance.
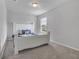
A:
(43, 52)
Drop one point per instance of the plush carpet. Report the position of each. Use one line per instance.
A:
(45, 52)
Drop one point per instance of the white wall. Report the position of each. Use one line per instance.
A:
(37, 25)
(18, 18)
(63, 23)
(9, 29)
(3, 24)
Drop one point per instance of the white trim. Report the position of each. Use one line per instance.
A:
(65, 45)
(2, 51)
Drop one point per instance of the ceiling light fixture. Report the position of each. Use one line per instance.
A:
(35, 3)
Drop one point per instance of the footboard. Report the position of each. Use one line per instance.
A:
(29, 42)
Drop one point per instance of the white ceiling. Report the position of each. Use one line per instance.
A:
(25, 6)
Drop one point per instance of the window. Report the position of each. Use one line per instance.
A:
(19, 28)
(43, 24)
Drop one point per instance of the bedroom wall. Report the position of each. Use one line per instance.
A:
(63, 23)
(3, 24)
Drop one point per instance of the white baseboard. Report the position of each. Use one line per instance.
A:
(2, 51)
(65, 45)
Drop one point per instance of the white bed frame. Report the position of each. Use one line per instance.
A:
(22, 43)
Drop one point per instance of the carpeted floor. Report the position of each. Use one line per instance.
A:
(43, 52)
